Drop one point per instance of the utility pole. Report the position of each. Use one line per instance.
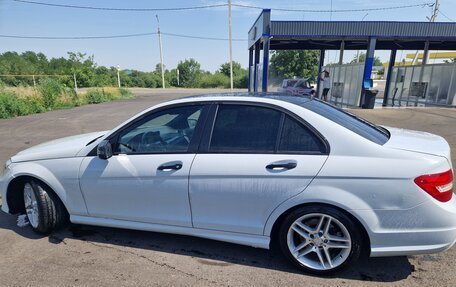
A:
(433, 18)
(231, 45)
(357, 52)
(177, 73)
(435, 11)
(75, 83)
(161, 53)
(118, 75)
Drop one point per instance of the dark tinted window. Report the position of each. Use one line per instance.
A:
(241, 128)
(360, 126)
(298, 138)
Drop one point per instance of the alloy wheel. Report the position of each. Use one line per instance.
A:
(319, 241)
(31, 205)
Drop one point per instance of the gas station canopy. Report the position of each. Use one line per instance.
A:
(390, 35)
(268, 35)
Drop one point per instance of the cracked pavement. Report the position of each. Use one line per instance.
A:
(98, 256)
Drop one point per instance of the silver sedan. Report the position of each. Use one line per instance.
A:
(259, 170)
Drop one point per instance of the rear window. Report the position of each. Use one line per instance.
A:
(242, 128)
(360, 126)
(297, 138)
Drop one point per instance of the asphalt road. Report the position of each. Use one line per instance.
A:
(96, 256)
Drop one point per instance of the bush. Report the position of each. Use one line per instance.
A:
(216, 80)
(125, 94)
(241, 81)
(96, 96)
(11, 105)
(50, 90)
(25, 101)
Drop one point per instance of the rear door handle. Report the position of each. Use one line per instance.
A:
(282, 165)
(170, 166)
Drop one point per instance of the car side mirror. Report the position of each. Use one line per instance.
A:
(104, 149)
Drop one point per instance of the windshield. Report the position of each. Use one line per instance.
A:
(288, 83)
(302, 84)
(358, 125)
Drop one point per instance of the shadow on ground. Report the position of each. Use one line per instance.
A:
(211, 252)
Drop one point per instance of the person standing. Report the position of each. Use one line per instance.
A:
(326, 79)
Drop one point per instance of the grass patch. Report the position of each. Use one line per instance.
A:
(51, 95)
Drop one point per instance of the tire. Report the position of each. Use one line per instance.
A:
(43, 208)
(310, 235)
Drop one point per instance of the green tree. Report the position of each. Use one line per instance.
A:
(189, 73)
(83, 67)
(240, 75)
(362, 59)
(237, 69)
(294, 63)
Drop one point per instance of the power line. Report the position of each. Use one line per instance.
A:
(448, 18)
(426, 4)
(422, 5)
(200, 37)
(121, 9)
(114, 36)
(76, 37)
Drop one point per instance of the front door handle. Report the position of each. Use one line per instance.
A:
(169, 167)
(282, 165)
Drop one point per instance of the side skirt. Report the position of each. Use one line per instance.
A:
(257, 241)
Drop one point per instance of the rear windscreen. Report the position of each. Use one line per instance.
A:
(358, 125)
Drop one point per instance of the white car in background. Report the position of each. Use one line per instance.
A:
(297, 87)
(250, 169)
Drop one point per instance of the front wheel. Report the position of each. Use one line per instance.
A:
(319, 239)
(44, 210)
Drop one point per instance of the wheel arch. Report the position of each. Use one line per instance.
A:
(14, 196)
(280, 219)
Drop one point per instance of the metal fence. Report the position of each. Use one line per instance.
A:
(346, 84)
(29, 80)
(431, 85)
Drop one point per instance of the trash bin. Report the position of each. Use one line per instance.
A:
(368, 100)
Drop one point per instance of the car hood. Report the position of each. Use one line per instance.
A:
(59, 148)
(417, 141)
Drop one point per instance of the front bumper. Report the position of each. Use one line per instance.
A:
(5, 178)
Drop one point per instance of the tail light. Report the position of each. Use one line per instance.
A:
(439, 185)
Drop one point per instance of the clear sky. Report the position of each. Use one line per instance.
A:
(142, 53)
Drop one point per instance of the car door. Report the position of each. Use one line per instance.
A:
(146, 179)
(255, 158)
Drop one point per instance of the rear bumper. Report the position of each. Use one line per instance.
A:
(430, 242)
(427, 228)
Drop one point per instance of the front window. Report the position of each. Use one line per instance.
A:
(168, 131)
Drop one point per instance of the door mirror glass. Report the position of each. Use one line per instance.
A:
(104, 150)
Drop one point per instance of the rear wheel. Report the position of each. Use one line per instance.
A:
(44, 210)
(320, 240)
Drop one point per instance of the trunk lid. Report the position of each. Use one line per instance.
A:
(417, 141)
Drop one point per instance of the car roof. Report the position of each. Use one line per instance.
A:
(293, 99)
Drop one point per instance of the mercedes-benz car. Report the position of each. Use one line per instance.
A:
(255, 169)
